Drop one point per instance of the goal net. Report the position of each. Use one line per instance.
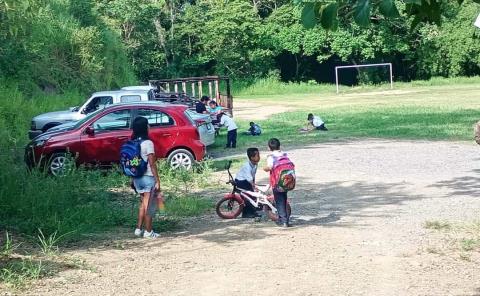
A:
(383, 65)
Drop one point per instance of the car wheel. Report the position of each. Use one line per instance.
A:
(180, 158)
(60, 164)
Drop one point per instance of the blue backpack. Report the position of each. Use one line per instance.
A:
(131, 159)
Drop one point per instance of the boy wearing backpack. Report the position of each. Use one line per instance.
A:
(282, 179)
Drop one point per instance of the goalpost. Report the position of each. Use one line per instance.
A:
(363, 66)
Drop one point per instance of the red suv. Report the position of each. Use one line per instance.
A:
(96, 139)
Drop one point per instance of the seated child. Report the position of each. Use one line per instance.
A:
(314, 123)
(254, 130)
(245, 179)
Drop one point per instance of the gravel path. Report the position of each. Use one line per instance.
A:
(359, 214)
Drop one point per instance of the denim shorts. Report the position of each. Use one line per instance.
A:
(144, 183)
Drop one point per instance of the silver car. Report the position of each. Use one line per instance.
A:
(98, 100)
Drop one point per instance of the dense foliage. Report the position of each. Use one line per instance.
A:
(95, 44)
(59, 44)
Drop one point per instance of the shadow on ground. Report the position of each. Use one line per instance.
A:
(462, 186)
(332, 204)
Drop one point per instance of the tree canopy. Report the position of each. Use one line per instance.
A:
(95, 44)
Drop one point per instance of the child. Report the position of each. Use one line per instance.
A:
(228, 122)
(150, 179)
(214, 109)
(201, 106)
(254, 129)
(279, 195)
(314, 123)
(245, 179)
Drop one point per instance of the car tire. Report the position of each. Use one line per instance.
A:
(60, 164)
(181, 158)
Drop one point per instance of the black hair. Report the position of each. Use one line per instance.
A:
(274, 144)
(219, 116)
(251, 152)
(252, 123)
(204, 98)
(213, 102)
(140, 128)
(310, 116)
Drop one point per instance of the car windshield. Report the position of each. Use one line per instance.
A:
(85, 119)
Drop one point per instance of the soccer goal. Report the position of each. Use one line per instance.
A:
(389, 65)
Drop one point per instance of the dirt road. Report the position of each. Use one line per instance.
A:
(358, 215)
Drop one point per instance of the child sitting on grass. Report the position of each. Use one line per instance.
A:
(254, 130)
(314, 123)
(245, 179)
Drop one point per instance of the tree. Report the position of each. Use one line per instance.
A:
(328, 12)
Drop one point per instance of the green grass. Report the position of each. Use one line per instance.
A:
(272, 86)
(438, 109)
(379, 122)
(437, 225)
(188, 206)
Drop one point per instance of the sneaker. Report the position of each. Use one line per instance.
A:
(283, 225)
(150, 234)
(138, 232)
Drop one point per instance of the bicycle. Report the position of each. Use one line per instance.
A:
(232, 204)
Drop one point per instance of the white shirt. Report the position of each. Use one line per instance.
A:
(317, 121)
(247, 172)
(228, 123)
(276, 153)
(147, 148)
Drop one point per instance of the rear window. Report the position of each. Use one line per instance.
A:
(190, 115)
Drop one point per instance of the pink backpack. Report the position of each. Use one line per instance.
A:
(282, 175)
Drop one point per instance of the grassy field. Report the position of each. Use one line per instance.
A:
(436, 110)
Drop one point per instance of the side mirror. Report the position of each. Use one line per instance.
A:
(89, 131)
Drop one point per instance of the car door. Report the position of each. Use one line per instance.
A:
(110, 131)
(163, 129)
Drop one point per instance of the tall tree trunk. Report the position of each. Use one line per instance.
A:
(161, 39)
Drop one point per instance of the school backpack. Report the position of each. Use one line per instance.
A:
(477, 132)
(282, 175)
(131, 159)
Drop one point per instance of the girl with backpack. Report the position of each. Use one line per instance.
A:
(146, 181)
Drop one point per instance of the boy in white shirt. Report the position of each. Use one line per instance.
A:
(228, 122)
(314, 123)
(245, 179)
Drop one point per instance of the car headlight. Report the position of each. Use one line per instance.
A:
(40, 141)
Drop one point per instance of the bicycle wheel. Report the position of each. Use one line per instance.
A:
(229, 208)
(274, 216)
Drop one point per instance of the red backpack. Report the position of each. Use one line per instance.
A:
(282, 175)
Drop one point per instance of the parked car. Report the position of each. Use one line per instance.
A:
(97, 100)
(96, 139)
